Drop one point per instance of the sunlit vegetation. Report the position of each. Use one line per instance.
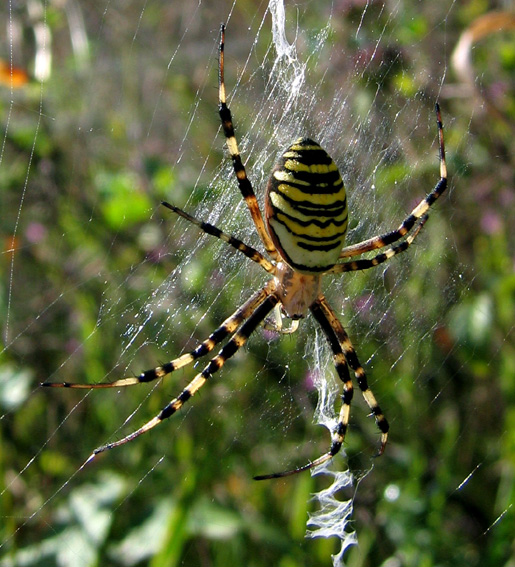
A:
(89, 151)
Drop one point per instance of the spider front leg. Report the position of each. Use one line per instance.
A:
(341, 345)
(227, 328)
(344, 356)
(215, 364)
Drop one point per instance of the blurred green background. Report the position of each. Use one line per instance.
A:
(111, 108)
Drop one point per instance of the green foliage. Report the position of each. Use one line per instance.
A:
(103, 284)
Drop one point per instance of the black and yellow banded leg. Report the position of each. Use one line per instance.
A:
(344, 356)
(226, 329)
(342, 369)
(418, 212)
(365, 264)
(212, 230)
(239, 169)
(214, 365)
(335, 332)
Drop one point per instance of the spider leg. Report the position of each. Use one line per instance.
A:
(227, 328)
(248, 251)
(344, 356)
(420, 210)
(215, 364)
(365, 264)
(239, 169)
(335, 333)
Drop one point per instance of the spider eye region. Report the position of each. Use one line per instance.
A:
(306, 208)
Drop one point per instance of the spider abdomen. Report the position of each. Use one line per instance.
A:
(306, 208)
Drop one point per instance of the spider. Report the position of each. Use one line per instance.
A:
(303, 232)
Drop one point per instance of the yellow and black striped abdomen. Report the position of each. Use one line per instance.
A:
(306, 208)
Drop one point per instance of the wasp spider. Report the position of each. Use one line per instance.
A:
(303, 232)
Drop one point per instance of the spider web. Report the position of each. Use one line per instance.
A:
(111, 107)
